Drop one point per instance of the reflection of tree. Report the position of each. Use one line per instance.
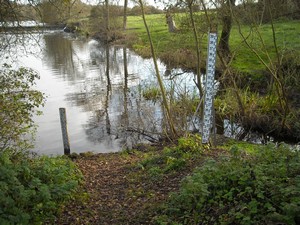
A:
(114, 112)
(107, 67)
(15, 45)
(99, 127)
(125, 89)
(108, 90)
(92, 83)
(61, 56)
(108, 125)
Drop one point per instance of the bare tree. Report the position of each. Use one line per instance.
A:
(107, 20)
(160, 82)
(170, 22)
(226, 18)
(197, 45)
(125, 14)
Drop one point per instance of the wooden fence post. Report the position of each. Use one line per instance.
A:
(64, 130)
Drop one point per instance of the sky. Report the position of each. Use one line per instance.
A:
(130, 3)
(121, 2)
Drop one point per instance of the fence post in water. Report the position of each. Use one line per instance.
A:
(64, 130)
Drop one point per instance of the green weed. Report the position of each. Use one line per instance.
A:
(172, 159)
(32, 190)
(152, 93)
(261, 189)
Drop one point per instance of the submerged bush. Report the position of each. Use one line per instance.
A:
(32, 190)
(261, 189)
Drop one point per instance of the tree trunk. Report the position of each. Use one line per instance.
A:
(223, 47)
(125, 14)
(197, 46)
(171, 23)
(160, 82)
(107, 22)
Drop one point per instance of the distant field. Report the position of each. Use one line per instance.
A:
(287, 36)
(163, 40)
(287, 39)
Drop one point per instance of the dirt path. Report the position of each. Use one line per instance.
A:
(121, 188)
(117, 192)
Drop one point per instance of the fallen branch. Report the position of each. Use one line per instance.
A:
(147, 135)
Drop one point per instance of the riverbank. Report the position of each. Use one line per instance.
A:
(259, 87)
(36, 28)
(185, 183)
(178, 49)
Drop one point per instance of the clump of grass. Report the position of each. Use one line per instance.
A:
(258, 113)
(185, 58)
(173, 159)
(152, 93)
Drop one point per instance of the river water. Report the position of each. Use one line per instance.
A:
(100, 87)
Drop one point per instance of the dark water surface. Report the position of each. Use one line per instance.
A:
(100, 87)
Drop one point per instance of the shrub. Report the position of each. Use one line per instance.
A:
(191, 143)
(261, 189)
(18, 103)
(32, 190)
(173, 159)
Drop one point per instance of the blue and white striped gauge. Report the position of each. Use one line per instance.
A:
(209, 87)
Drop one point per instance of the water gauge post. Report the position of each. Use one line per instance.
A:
(209, 87)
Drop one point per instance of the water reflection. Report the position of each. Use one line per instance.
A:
(101, 88)
(105, 84)
(14, 45)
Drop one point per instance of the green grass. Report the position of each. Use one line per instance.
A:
(173, 158)
(232, 144)
(287, 39)
(162, 39)
(287, 36)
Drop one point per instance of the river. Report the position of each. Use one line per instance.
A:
(100, 87)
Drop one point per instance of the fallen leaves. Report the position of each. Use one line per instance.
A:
(118, 192)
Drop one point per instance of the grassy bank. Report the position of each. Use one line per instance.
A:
(181, 48)
(259, 90)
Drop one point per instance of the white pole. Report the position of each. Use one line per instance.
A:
(209, 87)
